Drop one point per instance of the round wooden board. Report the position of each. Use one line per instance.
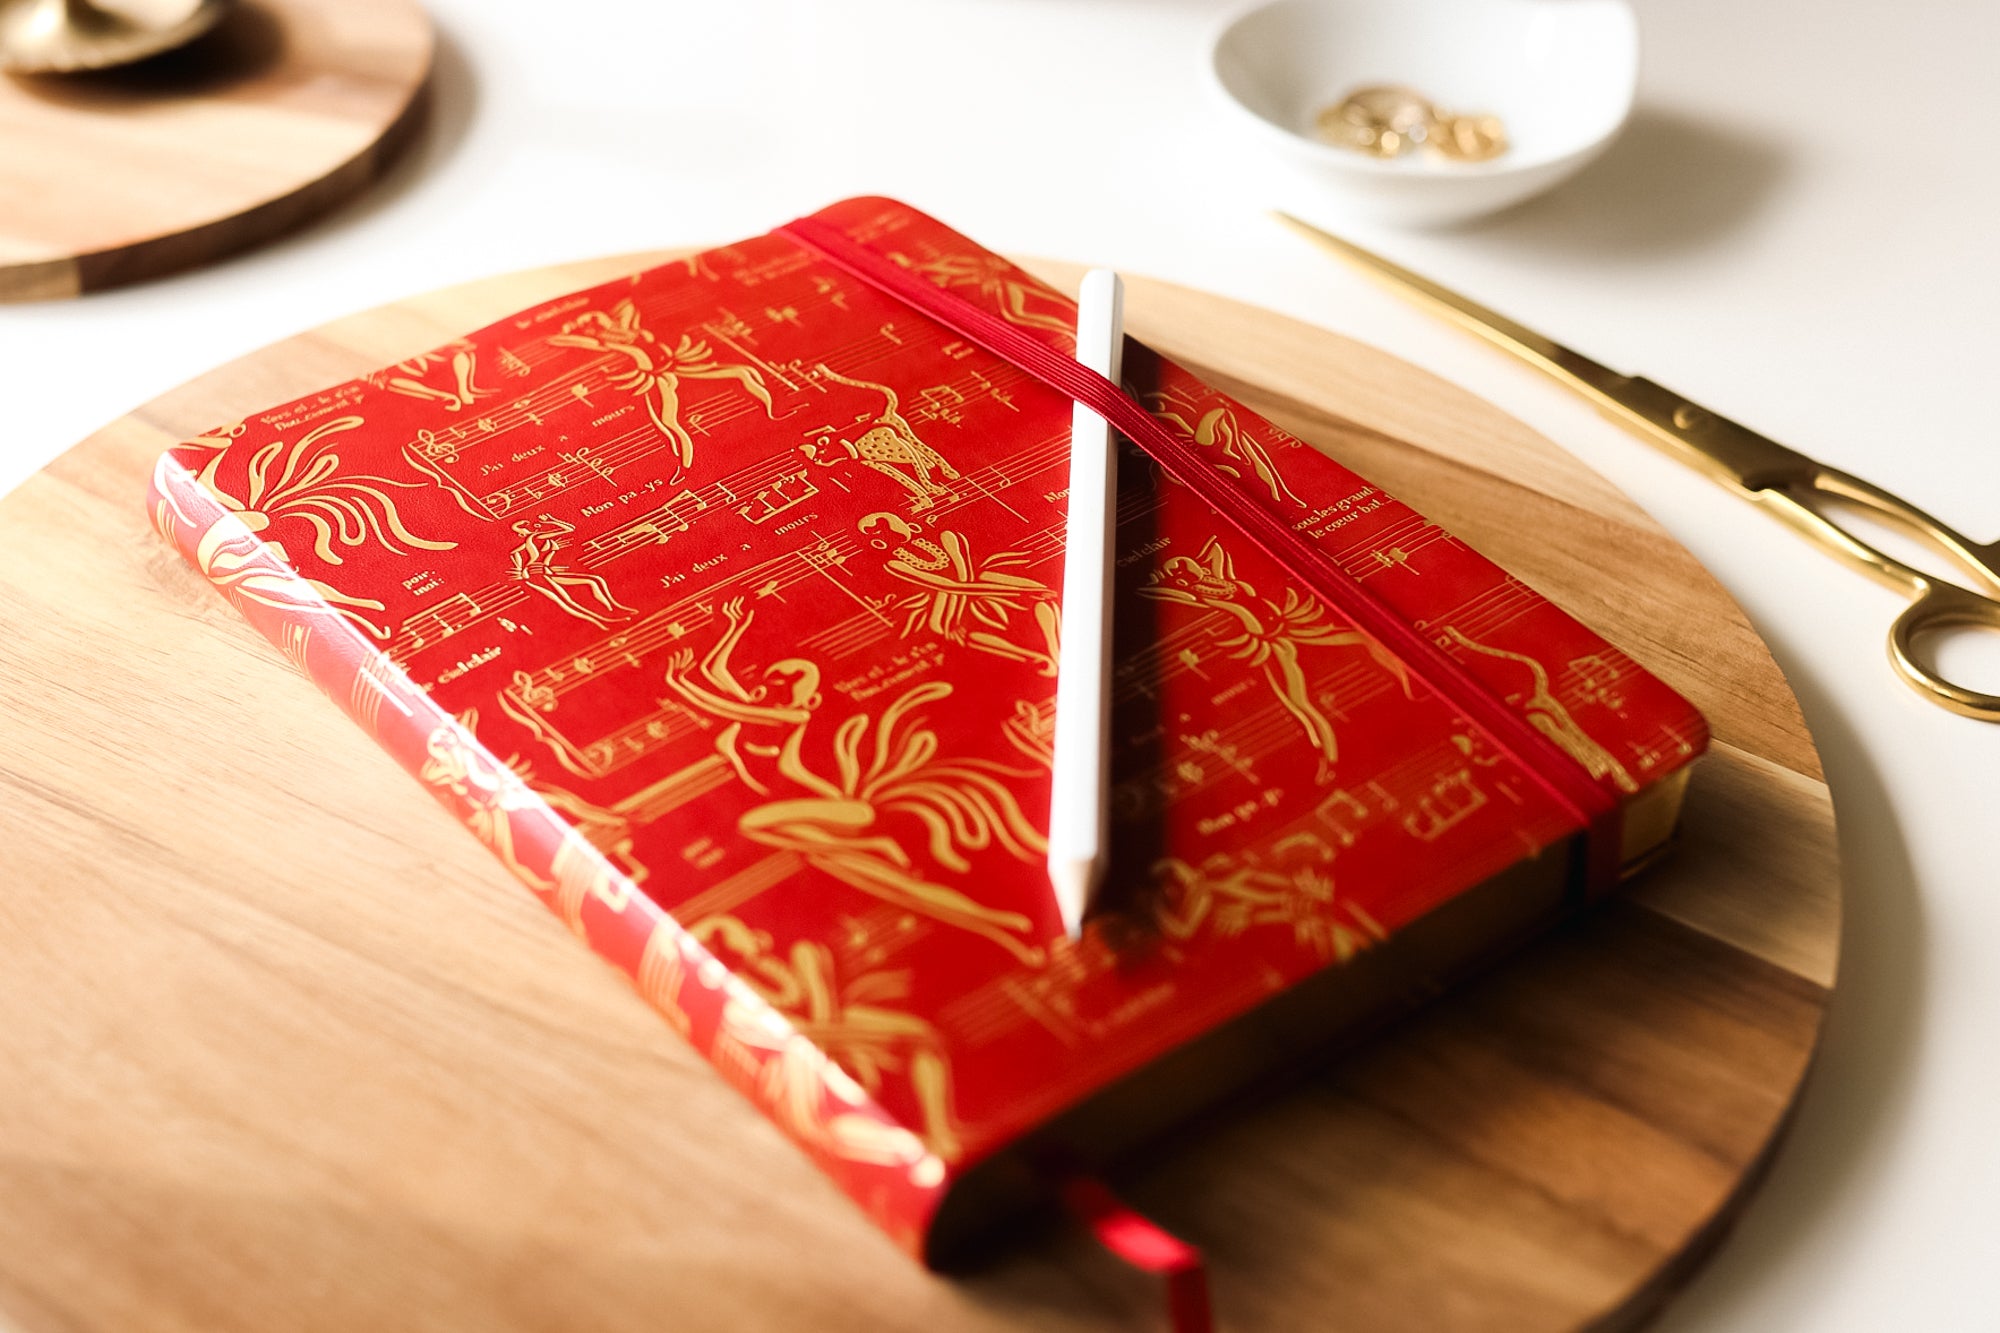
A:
(283, 1046)
(286, 108)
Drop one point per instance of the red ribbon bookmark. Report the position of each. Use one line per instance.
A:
(1593, 808)
(1144, 1245)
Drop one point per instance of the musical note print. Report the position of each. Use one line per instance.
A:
(757, 566)
(656, 527)
(941, 402)
(1347, 816)
(790, 490)
(1031, 729)
(582, 457)
(374, 685)
(533, 693)
(1598, 678)
(1451, 800)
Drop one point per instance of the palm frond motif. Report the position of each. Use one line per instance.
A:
(970, 600)
(857, 1019)
(495, 804)
(889, 766)
(809, 1096)
(1227, 899)
(303, 480)
(830, 802)
(246, 568)
(964, 804)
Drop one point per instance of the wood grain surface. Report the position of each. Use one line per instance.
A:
(283, 1047)
(286, 108)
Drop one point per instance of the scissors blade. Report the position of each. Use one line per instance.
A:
(1734, 455)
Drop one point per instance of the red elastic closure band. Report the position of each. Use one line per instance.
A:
(1562, 777)
(1144, 1245)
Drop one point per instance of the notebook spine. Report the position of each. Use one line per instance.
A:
(330, 637)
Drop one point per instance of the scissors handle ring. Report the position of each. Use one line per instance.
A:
(1941, 606)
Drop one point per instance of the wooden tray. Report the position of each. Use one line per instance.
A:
(284, 1047)
(285, 109)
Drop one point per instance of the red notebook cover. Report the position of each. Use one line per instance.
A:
(719, 601)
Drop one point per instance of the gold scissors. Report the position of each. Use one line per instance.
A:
(1803, 493)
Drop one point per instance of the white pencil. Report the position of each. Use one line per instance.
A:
(1078, 805)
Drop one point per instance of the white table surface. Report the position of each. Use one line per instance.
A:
(1797, 230)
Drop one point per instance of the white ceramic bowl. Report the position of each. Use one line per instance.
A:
(1559, 73)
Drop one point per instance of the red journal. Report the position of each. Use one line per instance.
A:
(719, 601)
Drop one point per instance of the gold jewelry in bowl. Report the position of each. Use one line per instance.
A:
(1389, 120)
(1469, 138)
(1383, 120)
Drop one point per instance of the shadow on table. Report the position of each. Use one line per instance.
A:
(1861, 1085)
(449, 105)
(415, 149)
(1670, 183)
(108, 1245)
(416, 152)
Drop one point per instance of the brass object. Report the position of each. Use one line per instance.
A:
(1382, 121)
(64, 36)
(1469, 138)
(1803, 493)
(1388, 120)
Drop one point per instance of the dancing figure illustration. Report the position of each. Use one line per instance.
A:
(1271, 636)
(1000, 282)
(408, 377)
(1217, 428)
(533, 565)
(1548, 716)
(839, 824)
(654, 372)
(968, 601)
